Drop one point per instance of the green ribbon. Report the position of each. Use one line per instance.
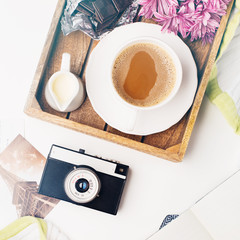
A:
(221, 99)
(17, 226)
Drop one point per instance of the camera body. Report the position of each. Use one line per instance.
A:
(83, 179)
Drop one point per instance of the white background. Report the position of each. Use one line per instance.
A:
(155, 186)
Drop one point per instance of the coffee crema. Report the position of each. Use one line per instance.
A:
(144, 74)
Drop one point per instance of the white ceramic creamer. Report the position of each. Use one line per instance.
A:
(65, 91)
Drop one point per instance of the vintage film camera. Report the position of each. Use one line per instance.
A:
(83, 179)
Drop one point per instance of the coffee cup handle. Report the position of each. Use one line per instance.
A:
(131, 120)
(65, 64)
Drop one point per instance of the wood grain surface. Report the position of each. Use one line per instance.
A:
(170, 144)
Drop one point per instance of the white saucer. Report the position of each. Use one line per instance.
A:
(117, 115)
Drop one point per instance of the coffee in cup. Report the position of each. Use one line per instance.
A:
(146, 73)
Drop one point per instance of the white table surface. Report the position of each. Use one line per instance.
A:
(155, 187)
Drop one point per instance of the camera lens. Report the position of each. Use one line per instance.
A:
(82, 185)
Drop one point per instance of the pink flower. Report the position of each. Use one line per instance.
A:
(175, 21)
(148, 9)
(197, 18)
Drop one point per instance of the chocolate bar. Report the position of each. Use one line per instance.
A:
(105, 12)
(83, 10)
(121, 5)
(110, 24)
(86, 7)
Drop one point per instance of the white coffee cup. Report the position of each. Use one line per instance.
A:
(65, 91)
(133, 113)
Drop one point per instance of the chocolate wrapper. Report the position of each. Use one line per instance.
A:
(73, 20)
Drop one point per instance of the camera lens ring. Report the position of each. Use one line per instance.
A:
(90, 177)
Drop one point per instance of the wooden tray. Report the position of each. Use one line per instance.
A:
(170, 144)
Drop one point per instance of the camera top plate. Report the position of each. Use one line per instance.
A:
(80, 158)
